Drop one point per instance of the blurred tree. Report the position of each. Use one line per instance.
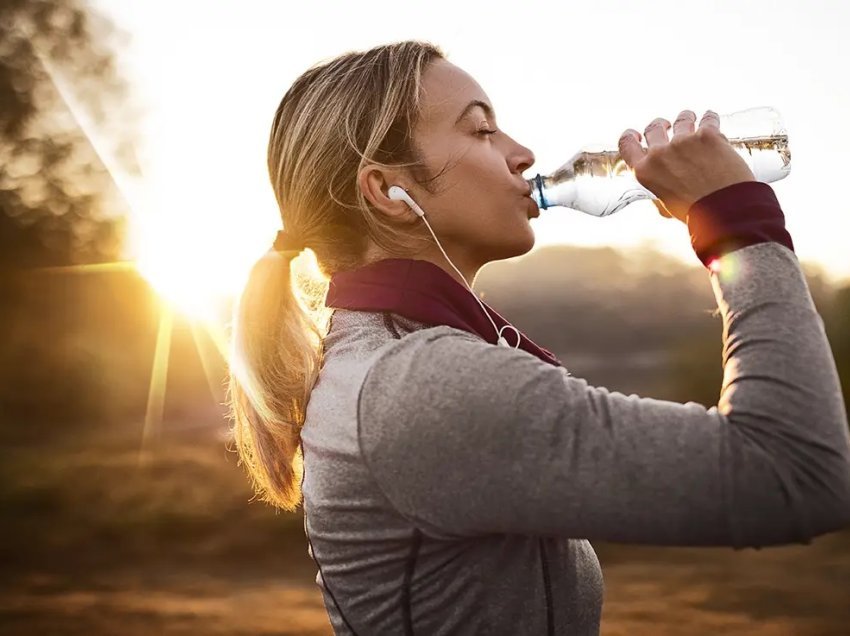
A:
(65, 116)
(611, 306)
(56, 65)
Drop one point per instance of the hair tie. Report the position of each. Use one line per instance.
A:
(287, 243)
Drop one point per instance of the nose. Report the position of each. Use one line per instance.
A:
(522, 159)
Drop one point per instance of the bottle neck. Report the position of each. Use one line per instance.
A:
(538, 191)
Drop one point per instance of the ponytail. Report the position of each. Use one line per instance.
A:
(355, 110)
(275, 359)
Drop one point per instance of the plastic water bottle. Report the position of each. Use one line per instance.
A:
(598, 181)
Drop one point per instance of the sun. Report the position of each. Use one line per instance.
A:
(188, 276)
(186, 287)
(194, 250)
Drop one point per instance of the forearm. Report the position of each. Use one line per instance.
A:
(782, 398)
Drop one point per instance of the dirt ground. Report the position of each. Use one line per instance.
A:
(796, 590)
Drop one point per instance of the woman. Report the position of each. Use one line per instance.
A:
(451, 486)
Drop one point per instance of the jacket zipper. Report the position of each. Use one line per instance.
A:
(550, 622)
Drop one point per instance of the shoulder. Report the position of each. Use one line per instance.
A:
(437, 357)
(442, 412)
(418, 360)
(438, 378)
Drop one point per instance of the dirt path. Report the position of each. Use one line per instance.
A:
(799, 590)
(795, 590)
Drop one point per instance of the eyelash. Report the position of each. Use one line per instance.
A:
(487, 132)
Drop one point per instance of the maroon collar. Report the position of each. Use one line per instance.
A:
(421, 291)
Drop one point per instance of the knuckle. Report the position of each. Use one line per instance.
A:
(654, 153)
(711, 136)
(710, 132)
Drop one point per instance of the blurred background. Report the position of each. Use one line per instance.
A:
(123, 508)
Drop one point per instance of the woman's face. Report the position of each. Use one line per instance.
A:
(479, 208)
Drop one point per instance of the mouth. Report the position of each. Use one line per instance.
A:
(534, 209)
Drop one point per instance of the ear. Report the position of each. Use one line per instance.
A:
(375, 181)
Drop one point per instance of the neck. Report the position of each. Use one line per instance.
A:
(417, 288)
(468, 269)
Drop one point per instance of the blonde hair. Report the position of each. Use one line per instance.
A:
(337, 117)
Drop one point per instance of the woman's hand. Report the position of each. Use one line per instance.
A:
(682, 170)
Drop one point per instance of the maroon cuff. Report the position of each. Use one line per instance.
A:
(736, 216)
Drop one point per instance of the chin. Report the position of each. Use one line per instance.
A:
(519, 246)
(529, 238)
(526, 248)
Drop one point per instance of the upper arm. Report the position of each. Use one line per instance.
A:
(470, 438)
(467, 438)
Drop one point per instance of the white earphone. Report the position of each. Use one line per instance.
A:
(397, 193)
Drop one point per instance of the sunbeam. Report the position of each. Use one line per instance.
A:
(159, 376)
(216, 387)
(118, 175)
(116, 266)
(218, 338)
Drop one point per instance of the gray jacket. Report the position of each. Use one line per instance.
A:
(452, 486)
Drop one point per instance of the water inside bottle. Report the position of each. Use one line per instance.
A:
(599, 182)
(769, 157)
(766, 155)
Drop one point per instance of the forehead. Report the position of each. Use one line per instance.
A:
(446, 91)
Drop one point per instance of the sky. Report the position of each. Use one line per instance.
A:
(209, 76)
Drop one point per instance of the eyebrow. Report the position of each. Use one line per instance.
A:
(476, 103)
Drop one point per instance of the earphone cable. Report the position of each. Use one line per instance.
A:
(484, 309)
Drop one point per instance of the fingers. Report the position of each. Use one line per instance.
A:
(656, 132)
(710, 120)
(684, 124)
(630, 149)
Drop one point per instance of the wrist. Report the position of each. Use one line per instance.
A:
(733, 217)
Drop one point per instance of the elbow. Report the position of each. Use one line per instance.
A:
(825, 473)
(790, 489)
(826, 498)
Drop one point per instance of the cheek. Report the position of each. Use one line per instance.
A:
(477, 191)
(490, 166)
(482, 176)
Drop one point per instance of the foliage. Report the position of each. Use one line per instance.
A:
(63, 101)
